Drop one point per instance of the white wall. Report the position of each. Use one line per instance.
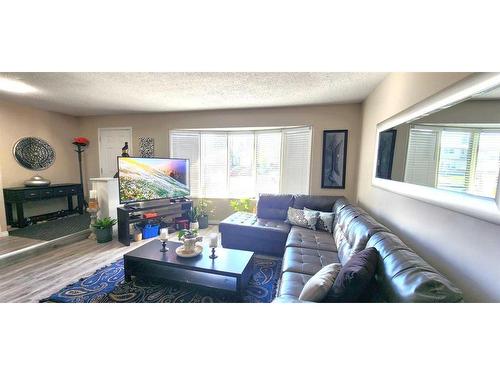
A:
(465, 249)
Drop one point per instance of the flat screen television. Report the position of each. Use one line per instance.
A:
(146, 179)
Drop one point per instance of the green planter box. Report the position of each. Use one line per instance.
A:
(104, 235)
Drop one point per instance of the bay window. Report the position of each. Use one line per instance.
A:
(233, 163)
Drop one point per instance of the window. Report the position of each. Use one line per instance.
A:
(245, 163)
(464, 159)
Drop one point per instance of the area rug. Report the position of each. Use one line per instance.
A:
(53, 229)
(107, 285)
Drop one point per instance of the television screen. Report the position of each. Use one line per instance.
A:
(144, 179)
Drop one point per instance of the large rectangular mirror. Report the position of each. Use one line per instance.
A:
(454, 148)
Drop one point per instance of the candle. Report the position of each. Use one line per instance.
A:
(213, 239)
(164, 234)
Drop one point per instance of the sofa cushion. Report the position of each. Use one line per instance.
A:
(307, 261)
(318, 286)
(353, 228)
(340, 204)
(355, 276)
(314, 202)
(245, 231)
(324, 221)
(308, 238)
(274, 206)
(403, 276)
(302, 218)
(292, 283)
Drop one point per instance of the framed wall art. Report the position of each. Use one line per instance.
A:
(334, 159)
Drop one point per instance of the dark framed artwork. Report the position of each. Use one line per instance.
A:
(385, 155)
(34, 153)
(334, 159)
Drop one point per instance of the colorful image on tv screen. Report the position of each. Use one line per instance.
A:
(143, 179)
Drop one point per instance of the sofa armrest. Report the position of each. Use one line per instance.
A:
(289, 299)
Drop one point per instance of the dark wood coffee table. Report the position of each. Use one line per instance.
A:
(230, 271)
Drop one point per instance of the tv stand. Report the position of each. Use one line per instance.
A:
(132, 214)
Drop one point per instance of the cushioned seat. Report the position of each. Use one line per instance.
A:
(307, 261)
(310, 239)
(292, 283)
(245, 231)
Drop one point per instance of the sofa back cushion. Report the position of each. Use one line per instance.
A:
(274, 206)
(353, 228)
(315, 202)
(403, 276)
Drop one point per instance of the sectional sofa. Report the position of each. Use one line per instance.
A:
(401, 275)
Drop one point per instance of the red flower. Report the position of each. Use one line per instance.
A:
(81, 141)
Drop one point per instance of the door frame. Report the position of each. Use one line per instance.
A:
(130, 145)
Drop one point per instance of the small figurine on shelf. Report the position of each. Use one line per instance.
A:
(124, 155)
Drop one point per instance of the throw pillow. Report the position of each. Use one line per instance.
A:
(301, 219)
(325, 220)
(355, 276)
(317, 287)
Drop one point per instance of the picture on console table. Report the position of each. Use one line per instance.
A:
(334, 159)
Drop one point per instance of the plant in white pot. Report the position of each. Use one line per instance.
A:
(192, 216)
(103, 229)
(189, 238)
(204, 211)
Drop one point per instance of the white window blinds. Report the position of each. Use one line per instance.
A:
(233, 164)
(186, 145)
(296, 161)
(455, 155)
(421, 161)
(487, 164)
(268, 161)
(214, 165)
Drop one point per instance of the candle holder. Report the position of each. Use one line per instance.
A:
(164, 247)
(213, 256)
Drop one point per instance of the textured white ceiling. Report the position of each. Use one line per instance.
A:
(84, 94)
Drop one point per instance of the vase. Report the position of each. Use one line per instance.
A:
(190, 244)
(194, 226)
(203, 222)
(104, 234)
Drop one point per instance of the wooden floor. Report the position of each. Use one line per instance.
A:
(38, 276)
(10, 244)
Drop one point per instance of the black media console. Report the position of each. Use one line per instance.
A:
(166, 210)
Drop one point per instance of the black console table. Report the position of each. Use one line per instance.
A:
(165, 209)
(21, 195)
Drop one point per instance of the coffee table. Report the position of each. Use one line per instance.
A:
(230, 271)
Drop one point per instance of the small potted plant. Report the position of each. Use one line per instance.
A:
(103, 229)
(189, 238)
(204, 211)
(192, 216)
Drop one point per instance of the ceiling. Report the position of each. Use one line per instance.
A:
(87, 94)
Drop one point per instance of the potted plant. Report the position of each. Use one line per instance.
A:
(204, 211)
(189, 238)
(103, 229)
(241, 205)
(192, 216)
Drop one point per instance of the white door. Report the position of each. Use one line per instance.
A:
(111, 142)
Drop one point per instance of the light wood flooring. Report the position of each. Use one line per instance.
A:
(10, 244)
(38, 276)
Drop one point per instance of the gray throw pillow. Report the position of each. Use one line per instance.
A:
(318, 286)
(325, 220)
(301, 218)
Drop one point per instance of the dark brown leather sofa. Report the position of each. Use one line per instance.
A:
(401, 276)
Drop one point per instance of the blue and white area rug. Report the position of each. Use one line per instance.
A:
(107, 285)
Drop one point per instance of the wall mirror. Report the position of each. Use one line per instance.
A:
(446, 150)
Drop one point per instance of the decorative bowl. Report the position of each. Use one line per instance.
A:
(37, 181)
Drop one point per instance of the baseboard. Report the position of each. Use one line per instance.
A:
(39, 248)
(4, 234)
(214, 222)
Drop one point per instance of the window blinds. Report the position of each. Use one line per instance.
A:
(245, 163)
(186, 145)
(421, 161)
(296, 160)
